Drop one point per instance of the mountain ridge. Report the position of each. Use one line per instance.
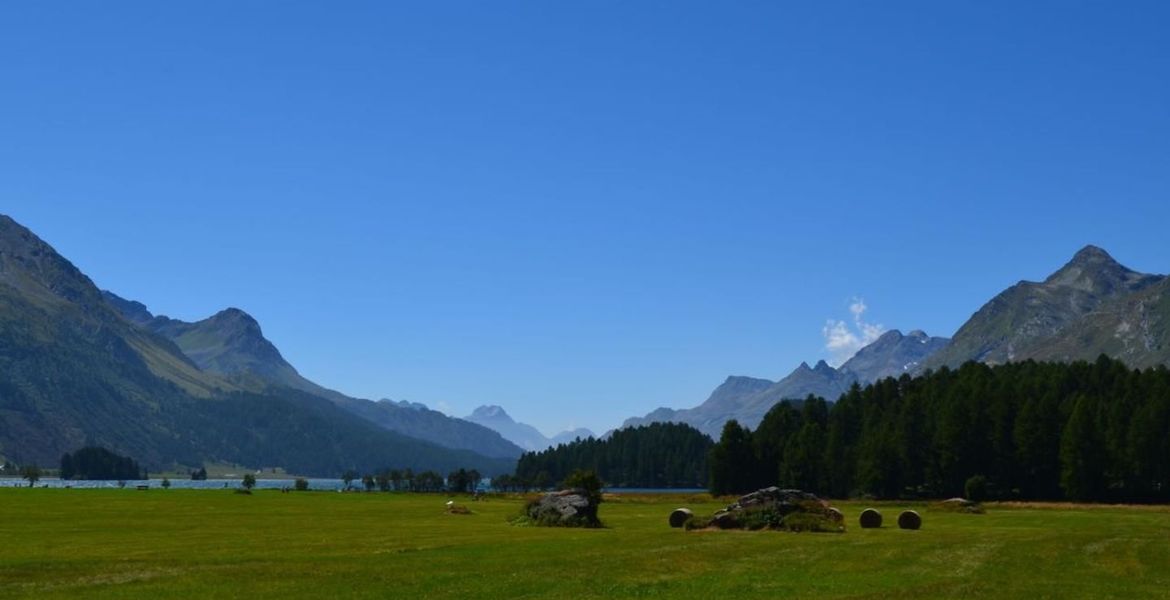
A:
(231, 344)
(748, 399)
(75, 372)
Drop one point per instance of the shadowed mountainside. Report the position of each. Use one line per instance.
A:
(76, 373)
(232, 345)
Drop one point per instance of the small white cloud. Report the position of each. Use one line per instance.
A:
(443, 407)
(843, 341)
(858, 308)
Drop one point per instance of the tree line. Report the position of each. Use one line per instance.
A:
(406, 480)
(659, 455)
(1078, 431)
(98, 463)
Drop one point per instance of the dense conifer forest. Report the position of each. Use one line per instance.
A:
(1084, 431)
(660, 455)
(98, 463)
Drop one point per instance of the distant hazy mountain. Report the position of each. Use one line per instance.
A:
(1092, 305)
(571, 435)
(747, 399)
(724, 403)
(231, 344)
(75, 372)
(892, 354)
(521, 434)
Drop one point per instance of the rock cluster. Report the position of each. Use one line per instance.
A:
(775, 508)
(566, 508)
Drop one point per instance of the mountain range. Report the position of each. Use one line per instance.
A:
(79, 366)
(521, 434)
(82, 367)
(231, 344)
(1091, 306)
(748, 399)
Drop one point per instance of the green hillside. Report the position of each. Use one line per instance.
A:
(73, 373)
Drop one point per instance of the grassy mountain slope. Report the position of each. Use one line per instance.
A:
(232, 345)
(74, 372)
(1092, 305)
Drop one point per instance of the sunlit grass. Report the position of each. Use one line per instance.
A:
(198, 544)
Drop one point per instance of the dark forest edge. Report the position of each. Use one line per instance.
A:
(97, 463)
(1029, 431)
(659, 455)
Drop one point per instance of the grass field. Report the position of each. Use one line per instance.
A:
(200, 544)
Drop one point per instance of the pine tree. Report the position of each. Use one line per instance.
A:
(1081, 454)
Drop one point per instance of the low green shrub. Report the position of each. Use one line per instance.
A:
(976, 488)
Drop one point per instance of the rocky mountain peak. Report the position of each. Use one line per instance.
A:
(1091, 254)
(235, 317)
(1094, 271)
(490, 411)
(1092, 304)
(892, 336)
(892, 354)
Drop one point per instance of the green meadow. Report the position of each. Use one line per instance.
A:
(216, 544)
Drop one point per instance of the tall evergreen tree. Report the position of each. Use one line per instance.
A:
(1086, 431)
(1082, 456)
(734, 468)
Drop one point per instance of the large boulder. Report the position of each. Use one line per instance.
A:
(566, 508)
(776, 508)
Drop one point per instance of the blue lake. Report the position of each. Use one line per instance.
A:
(266, 484)
(180, 484)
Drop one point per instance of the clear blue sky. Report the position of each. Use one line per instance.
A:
(581, 211)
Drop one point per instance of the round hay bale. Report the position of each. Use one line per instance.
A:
(909, 520)
(680, 516)
(835, 515)
(870, 519)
